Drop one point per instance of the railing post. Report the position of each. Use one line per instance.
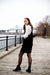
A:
(15, 40)
(6, 43)
(20, 39)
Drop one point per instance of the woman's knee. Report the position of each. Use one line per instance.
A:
(29, 55)
(20, 54)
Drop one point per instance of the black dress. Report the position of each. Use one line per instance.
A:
(27, 44)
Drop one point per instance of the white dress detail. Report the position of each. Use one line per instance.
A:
(28, 31)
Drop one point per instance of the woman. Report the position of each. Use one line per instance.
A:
(27, 45)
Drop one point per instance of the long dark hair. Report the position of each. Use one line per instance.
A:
(29, 23)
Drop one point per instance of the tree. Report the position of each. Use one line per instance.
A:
(44, 27)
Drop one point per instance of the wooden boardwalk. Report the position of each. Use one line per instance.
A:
(40, 59)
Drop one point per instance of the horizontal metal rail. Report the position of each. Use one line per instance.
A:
(8, 41)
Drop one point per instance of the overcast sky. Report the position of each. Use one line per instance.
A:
(13, 12)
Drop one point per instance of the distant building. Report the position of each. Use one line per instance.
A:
(2, 31)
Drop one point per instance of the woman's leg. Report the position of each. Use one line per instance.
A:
(20, 58)
(18, 68)
(29, 62)
(29, 59)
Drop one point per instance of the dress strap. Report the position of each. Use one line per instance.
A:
(32, 30)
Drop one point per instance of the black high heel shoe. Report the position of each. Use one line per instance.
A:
(18, 68)
(28, 70)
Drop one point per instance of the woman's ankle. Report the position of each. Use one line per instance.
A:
(29, 67)
(18, 65)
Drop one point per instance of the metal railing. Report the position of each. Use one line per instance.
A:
(9, 41)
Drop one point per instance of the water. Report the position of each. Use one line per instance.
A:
(3, 35)
(11, 41)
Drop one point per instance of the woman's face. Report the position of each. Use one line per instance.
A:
(25, 21)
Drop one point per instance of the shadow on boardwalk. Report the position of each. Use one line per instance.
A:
(40, 60)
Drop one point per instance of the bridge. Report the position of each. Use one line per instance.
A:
(19, 29)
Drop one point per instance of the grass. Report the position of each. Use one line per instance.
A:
(48, 37)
